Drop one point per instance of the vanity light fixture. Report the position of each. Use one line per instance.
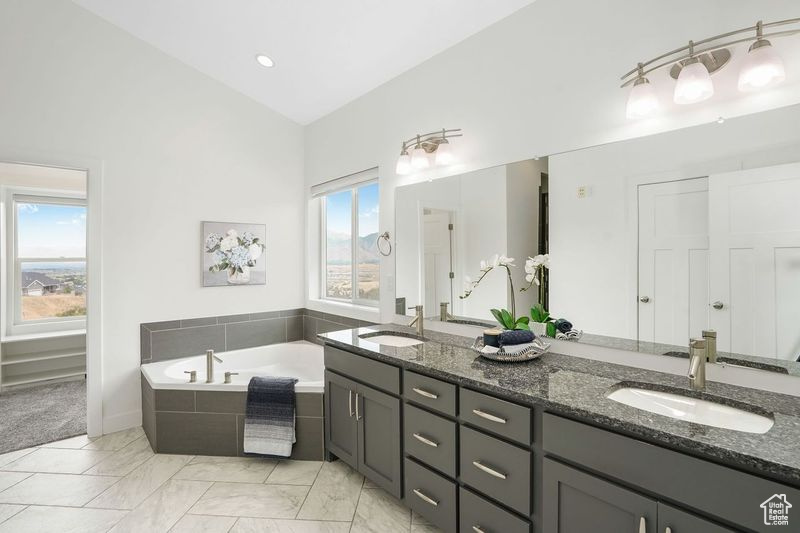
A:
(694, 64)
(265, 61)
(424, 147)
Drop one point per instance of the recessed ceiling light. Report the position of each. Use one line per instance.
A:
(265, 61)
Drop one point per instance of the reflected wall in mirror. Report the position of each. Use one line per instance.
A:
(651, 240)
(446, 227)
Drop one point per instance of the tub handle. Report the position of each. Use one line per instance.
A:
(192, 375)
(228, 376)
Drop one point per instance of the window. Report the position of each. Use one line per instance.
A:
(351, 262)
(48, 266)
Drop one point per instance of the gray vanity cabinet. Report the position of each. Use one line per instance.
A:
(577, 503)
(379, 455)
(341, 429)
(672, 520)
(362, 423)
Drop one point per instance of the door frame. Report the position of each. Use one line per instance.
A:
(94, 267)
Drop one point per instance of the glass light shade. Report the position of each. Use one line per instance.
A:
(403, 164)
(419, 158)
(694, 84)
(444, 154)
(762, 68)
(642, 102)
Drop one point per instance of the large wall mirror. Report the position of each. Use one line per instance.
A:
(651, 240)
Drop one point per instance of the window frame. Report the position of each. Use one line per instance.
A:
(323, 282)
(16, 325)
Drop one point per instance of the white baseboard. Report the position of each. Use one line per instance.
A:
(128, 420)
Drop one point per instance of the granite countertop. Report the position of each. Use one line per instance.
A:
(577, 387)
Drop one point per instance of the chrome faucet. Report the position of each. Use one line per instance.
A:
(697, 364)
(210, 358)
(710, 336)
(418, 320)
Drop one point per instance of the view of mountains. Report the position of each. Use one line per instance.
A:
(338, 249)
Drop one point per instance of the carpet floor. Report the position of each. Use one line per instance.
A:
(42, 414)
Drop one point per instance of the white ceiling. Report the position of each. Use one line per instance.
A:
(326, 52)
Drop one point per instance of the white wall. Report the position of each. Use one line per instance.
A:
(176, 148)
(593, 240)
(544, 80)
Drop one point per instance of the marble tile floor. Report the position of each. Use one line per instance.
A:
(116, 483)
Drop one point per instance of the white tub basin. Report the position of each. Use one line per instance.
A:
(692, 410)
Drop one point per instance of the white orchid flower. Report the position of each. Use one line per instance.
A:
(494, 260)
(505, 261)
(530, 267)
(529, 277)
(546, 261)
(484, 265)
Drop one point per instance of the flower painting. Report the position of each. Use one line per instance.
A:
(233, 254)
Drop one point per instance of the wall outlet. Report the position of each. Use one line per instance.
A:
(583, 191)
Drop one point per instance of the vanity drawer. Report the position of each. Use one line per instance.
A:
(497, 469)
(430, 392)
(431, 495)
(376, 374)
(431, 439)
(478, 514)
(510, 420)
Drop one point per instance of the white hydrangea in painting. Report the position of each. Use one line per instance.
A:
(232, 253)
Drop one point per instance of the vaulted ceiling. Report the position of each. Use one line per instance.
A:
(326, 52)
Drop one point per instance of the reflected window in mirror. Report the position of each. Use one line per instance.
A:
(351, 265)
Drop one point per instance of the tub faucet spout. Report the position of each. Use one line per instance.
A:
(210, 358)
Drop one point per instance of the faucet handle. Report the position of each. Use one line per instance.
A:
(210, 353)
(228, 376)
(192, 375)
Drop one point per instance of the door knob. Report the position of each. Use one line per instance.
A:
(718, 305)
(644, 299)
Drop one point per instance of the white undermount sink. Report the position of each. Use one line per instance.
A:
(692, 410)
(393, 340)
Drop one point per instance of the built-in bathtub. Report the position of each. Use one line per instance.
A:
(208, 418)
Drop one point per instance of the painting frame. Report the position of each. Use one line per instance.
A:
(233, 254)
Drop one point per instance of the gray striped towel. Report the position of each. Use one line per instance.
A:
(269, 416)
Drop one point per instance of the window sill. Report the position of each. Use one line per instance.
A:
(358, 312)
(44, 335)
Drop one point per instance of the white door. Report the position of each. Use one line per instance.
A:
(755, 243)
(673, 261)
(436, 249)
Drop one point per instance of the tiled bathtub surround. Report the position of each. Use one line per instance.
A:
(172, 339)
(212, 422)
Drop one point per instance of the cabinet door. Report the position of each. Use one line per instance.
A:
(672, 520)
(379, 438)
(575, 502)
(341, 430)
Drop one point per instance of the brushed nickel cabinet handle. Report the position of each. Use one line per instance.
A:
(668, 530)
(424, 497)
(350, 402)
(423, 440)
(490, 471)
(642, 525)
(477, 529)
(423, 392)
(358, 417)
(488, 416)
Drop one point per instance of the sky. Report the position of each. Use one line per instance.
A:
(339, 207)
(51, 230)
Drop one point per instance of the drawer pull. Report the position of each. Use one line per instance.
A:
(490, 471)
(423, 440)
(424, 497)
(423, 392)
(642, 525)
(350, 402)
(488, 416)
(477, 529)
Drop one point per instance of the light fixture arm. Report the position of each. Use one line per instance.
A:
(431, 139)
(696, 48)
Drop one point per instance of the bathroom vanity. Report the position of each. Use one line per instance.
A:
(477, 446)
